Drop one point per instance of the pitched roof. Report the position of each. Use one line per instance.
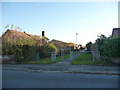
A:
(61, 44)
(116, 32)
(15, 36)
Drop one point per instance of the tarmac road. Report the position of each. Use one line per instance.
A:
(25, 79)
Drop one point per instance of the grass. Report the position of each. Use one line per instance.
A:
(89, 62)
(86, 58)
(74, 53)
(58, 59)
(48, 60)
(42, 61)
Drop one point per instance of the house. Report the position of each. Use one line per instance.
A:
(60, 44)
(116, 32)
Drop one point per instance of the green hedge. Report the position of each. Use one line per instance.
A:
(109, 47)
(28, 51)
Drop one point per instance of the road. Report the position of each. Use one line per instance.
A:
(25, 79)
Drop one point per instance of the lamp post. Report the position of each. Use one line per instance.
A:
(76, 40)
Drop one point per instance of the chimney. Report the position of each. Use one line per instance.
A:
(43, 33)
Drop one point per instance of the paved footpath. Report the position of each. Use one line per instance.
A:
(67, 61)
(64, 66)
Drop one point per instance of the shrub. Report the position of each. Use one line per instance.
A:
(109, 46)
(46, 50)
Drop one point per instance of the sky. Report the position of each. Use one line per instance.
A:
(62, 20)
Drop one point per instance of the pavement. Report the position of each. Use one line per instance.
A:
(88, 69)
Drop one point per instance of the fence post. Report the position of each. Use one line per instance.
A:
(53, 56)
(71, 54)
(61, 54)
(93, 55)
(99, 54)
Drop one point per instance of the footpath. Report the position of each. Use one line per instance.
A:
(65, 67)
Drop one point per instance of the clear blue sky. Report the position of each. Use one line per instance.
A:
(62, 20)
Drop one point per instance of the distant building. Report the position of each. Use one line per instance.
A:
(62, 45)
(116, 32)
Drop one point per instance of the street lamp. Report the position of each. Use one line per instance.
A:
(76, 39)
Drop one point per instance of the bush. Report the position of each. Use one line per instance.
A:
(46, 50)
(109, 47)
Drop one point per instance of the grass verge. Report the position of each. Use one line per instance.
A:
(87, 59)
(48, 60)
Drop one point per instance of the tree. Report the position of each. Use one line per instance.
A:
(12, 27)
(88, 46)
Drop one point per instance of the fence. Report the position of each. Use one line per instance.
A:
(96, 55)
(63, 54)
(53, 56)
(7, 59)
